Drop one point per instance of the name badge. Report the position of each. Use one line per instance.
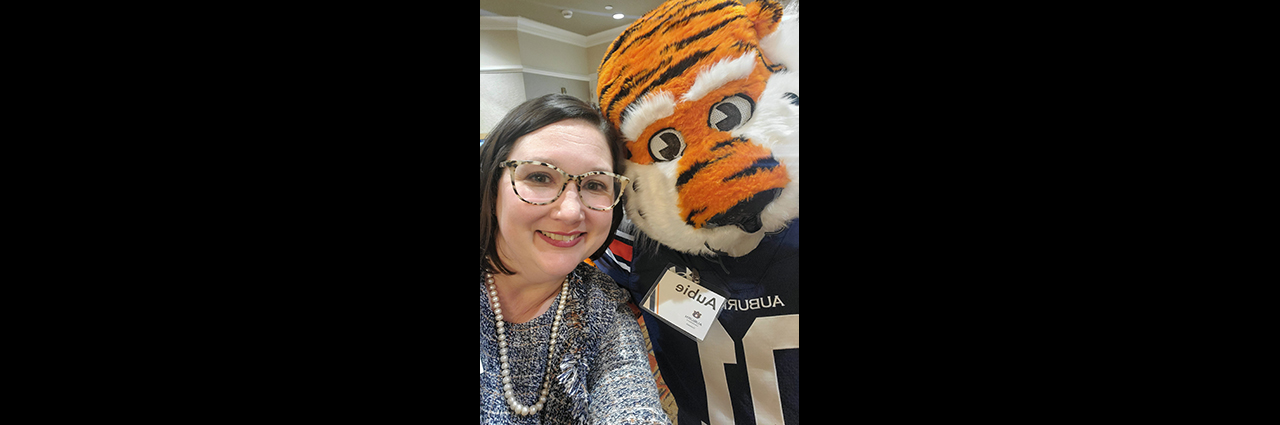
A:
(683, 304)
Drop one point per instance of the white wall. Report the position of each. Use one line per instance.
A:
(549, 55)
(499, 49)
(537, 85)
(522, 59)
(595, 54)
(499, 94)
(501, 83)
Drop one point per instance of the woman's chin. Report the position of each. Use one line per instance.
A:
(561, 264)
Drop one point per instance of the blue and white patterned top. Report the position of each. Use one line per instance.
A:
(600, 341)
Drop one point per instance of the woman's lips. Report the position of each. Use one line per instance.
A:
(562, 240)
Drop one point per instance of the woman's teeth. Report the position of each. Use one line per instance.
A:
(562, 238)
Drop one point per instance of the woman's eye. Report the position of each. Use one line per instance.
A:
(595, 186)
(542, 178)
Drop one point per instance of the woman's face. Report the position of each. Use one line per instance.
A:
(575, 147)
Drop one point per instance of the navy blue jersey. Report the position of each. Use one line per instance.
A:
(747, 369)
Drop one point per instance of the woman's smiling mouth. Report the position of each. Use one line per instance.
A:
(562, 240)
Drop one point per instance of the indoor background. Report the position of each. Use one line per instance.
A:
(528, 49)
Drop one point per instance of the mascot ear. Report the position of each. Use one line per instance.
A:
(766, 14)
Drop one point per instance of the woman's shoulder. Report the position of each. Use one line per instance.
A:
(599, 284)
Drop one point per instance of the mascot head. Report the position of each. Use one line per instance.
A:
(707, 96)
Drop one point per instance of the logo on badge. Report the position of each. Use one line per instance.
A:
(682, 304)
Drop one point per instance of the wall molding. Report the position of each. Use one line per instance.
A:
(501, 69)
(498, 23)
(528, 26)
(514, 69)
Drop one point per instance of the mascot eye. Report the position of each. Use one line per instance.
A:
(666, 145)
(731, 113)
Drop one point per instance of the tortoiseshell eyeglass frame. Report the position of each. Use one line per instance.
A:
(512, 164)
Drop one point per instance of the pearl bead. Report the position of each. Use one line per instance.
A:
(507, 386)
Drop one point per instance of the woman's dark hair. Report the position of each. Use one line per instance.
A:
(524, 119)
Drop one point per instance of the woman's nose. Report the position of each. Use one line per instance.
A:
(570, 207)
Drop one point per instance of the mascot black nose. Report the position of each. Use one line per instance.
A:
(746, 215)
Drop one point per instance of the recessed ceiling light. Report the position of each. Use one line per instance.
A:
(608, 7)
(618, 16)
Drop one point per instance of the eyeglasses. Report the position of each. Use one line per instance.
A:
(540, 183)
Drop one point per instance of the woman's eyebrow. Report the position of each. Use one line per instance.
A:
(594, 168)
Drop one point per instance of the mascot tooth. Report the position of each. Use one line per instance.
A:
(706, 95)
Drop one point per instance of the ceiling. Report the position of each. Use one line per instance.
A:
(589, 16)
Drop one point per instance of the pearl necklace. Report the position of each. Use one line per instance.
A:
(516, 407)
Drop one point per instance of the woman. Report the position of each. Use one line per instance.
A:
(557, 342)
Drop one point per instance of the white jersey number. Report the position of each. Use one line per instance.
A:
(717, 349)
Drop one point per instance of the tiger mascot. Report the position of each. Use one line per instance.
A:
(707, 95)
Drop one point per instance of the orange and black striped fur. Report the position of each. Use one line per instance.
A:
(706, 94)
